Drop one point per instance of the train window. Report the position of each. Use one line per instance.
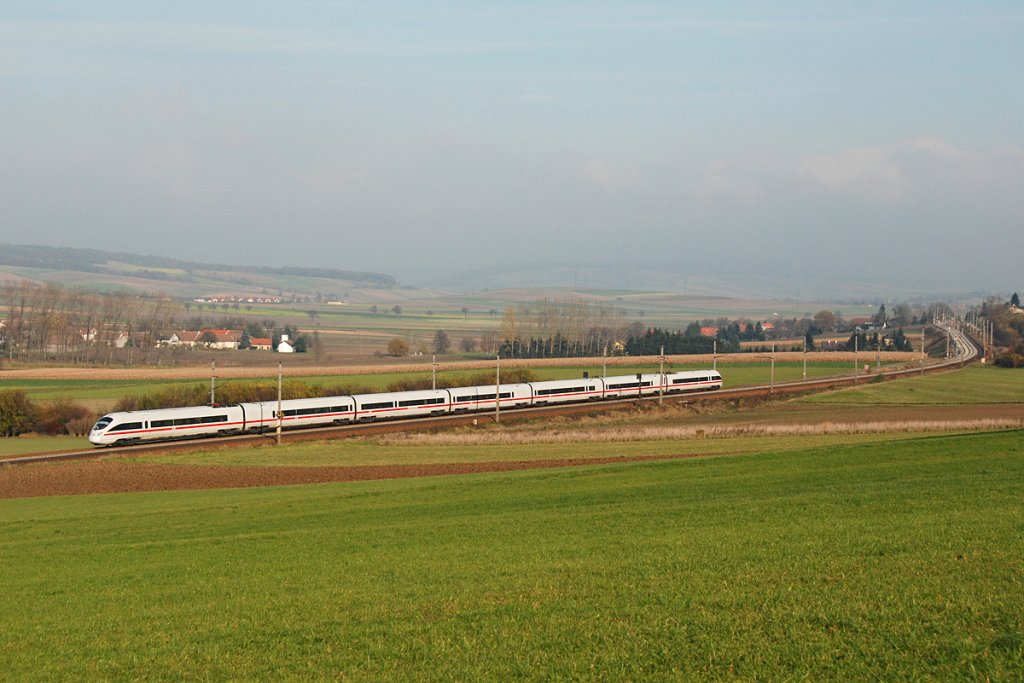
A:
(161, 423)
(565, 390)
(378, 406)
(462, 399)
(507, 395)
(338, 409)
(125, 426)
(186, 421)
(420, 402)
(209, 419)
(102, 423)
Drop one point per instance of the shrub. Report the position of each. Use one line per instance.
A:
(398, 347)
(1009, 359)
(56, 417)
(17, 412)
(411, 384)
(80, 426)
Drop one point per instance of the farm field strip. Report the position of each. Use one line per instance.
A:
(842, 562)
(484, 447)
(200, 368)
(970, 385)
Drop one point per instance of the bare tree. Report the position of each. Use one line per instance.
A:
(442, 344)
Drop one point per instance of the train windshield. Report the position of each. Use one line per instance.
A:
(103, 423)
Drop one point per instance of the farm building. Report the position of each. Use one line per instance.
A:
(261, 344)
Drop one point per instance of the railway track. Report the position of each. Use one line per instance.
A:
(966, 351)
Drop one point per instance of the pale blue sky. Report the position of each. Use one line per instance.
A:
(841, 140)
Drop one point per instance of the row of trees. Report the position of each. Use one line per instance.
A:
(54, 321)
(556, 329)
(689, 341)
(551, 328)
(488, 343)
(1007, 319)
(893, 341)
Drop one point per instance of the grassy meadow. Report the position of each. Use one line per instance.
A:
(846, 561)
(975, 384)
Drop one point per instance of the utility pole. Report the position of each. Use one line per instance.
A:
(497, 388)
(805, 360)
(856, 339)
(714, 355)
(433, 372)
(771, 389)
(280, 417)
(922, 348)
(661, 376)
(213, 380)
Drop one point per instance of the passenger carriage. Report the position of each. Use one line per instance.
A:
(466, 399)
(169, 423)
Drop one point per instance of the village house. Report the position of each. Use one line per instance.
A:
(211, 339)
(261, 343)
(221, 339)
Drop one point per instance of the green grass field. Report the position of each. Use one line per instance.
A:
(376, 452)
(971, 385)
(855, 561)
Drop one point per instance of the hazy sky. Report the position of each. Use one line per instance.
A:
(866, 140)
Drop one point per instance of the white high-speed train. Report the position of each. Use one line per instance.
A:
(115, 429)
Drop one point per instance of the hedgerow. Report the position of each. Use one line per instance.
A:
(19, 414)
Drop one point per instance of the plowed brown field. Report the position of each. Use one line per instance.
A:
(67, 479)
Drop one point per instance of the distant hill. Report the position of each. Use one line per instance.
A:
(106, 270)
(765, 284)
